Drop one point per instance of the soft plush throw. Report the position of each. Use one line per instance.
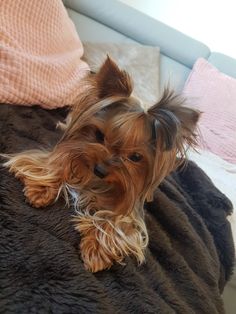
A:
(188, 260)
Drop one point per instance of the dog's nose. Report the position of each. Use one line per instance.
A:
(100, 171)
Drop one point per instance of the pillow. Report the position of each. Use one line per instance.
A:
(141, 62)
(40, 54)
(214, 93)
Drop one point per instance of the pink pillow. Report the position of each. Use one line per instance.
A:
(214, 93)
(39, 55)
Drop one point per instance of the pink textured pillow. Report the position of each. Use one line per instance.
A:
(214, 93)
(40, 54)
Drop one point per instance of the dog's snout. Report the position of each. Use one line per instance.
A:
(100, 171)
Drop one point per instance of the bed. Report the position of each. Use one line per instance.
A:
(190, 256)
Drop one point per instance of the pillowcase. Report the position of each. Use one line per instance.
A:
(40, 54)
(214, 93)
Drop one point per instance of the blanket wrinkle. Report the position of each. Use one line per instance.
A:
(213, 216)
(180, 264)
(199, 232)
(189, 258)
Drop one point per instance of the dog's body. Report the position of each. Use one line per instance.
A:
(110, 159)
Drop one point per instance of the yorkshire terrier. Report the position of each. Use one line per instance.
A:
(112, 156)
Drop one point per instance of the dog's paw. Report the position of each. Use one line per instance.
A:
(94, 256)
(97, 261)
(39, 196)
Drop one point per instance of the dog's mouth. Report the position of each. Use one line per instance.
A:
(99, 186)
(109, 188)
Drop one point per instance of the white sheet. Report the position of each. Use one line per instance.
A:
(222, 174)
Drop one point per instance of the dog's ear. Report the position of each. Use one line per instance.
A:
(112, 81)
(173, 123)
(174, 128)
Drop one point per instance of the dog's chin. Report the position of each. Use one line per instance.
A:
(106, 189)
(106, 195)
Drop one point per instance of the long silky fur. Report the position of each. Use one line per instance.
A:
(33, 167)
(110, 232)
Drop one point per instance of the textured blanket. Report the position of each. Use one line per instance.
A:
(40, 55)
(188, 260)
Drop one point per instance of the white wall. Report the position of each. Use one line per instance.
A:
(212, 22)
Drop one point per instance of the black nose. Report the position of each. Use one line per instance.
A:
(100, 171)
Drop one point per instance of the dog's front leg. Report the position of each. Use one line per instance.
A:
(41, 177)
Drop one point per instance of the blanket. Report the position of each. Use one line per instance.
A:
(188, 261)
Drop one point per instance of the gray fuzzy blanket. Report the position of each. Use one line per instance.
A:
(189, 258)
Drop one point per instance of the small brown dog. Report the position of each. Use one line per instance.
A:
(111, 158)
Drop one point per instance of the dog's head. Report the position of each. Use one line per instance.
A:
(115, 152)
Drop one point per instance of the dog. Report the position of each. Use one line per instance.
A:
(112, 156)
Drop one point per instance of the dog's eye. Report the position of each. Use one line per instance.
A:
(135, 157)
(99, 136)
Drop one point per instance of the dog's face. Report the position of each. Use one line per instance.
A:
(116, 153)
(112, 156)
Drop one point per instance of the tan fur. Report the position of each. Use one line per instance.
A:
(111, 158)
